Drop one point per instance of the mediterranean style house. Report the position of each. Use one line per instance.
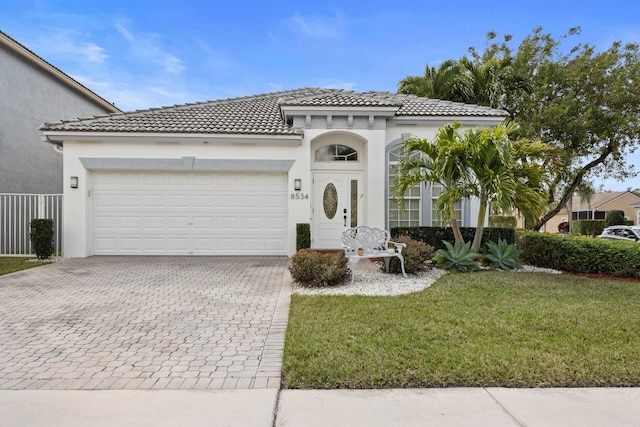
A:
(32, 91)
(235, 176)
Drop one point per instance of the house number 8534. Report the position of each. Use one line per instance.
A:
(299, 196)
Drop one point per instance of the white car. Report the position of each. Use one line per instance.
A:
(622, 232)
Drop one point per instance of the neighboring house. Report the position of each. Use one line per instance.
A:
(597, 207)
(32, 92)
(235, 176)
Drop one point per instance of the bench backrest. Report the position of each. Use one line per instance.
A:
(366, 238)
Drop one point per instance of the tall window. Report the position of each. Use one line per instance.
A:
(410, 216)
(436, 189)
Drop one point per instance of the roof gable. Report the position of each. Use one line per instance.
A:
(56, 73)
(599, 200)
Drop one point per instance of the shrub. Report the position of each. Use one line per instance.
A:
(416, 254)
(578, 254)
(615, 217)
(42, 237)
(434, 236)
(303, 236)
(314, 269)
(502, 255)
(457, 257)
(588, 227)
(502, 221)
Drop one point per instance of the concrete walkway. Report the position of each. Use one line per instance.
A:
(309, 408)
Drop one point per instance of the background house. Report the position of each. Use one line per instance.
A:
(235, 176)
(597, 207)
(32, 91)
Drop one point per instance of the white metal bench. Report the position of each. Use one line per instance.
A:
(365, 242)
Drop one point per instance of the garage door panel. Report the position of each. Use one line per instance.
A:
(156, 213)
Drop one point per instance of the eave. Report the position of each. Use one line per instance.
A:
(58, 138)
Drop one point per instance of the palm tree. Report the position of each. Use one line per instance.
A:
(505, 173)
(444, 82)
(441, 161)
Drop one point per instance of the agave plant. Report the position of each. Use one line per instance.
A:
(457, 257)
(502, 255)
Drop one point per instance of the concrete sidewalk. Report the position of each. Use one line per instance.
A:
(268, 407)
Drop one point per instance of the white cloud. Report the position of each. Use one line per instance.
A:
(69, 44)
(316, 27)
(147, 46)
(214, 59)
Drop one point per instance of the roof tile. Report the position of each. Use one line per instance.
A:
(260, 114)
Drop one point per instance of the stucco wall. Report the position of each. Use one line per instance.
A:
(28, 98)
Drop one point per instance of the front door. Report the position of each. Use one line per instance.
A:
(337, 205)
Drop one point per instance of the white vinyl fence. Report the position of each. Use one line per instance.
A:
(16, 213)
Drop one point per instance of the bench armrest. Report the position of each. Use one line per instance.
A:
(399, 246)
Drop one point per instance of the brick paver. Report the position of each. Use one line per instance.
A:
(144, 323)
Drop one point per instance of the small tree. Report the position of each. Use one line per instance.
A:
(615, 217)
(42, 237)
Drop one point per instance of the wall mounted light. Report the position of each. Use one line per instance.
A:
(74, 182)
(297, 184)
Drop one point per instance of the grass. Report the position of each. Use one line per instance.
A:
(11, 264)
(477, 329)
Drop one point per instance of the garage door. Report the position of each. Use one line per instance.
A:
(166, 213)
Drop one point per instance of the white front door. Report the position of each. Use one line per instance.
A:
(337, 204)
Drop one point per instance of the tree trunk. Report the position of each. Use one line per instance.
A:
(457, 235)
(568, 193)
(482, 215)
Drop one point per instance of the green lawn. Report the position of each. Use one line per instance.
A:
(479, 329)
(11, 264)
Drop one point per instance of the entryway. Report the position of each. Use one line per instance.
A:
(337, 204)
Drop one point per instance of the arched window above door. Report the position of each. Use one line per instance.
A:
(336, 153)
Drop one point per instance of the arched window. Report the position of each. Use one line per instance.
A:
(336, 153)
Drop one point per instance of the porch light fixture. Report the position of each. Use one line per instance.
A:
(297, 184)
(74, 182)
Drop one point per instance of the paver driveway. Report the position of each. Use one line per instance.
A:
(144, 323)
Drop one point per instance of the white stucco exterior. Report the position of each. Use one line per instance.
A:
(372, 136)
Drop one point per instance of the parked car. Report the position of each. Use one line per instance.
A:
(622, 232)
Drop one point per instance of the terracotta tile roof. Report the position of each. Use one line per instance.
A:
(261, 114)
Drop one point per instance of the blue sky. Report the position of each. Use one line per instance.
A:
(140, 54)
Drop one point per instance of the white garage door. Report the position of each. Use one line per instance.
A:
(166, 213)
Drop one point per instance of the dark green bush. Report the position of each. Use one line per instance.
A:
(433, 236)
(588, 227)
(615, 217)
(42, 237)
(415, 255)
(502, 221)
(303, 236)
(578, 254)
(314, 269)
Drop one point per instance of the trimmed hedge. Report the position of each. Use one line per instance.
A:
(314, 269)
(588, 227)
(303, 236)
(433, 236)
(502, 221)
(577, 254)
(42, 237)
